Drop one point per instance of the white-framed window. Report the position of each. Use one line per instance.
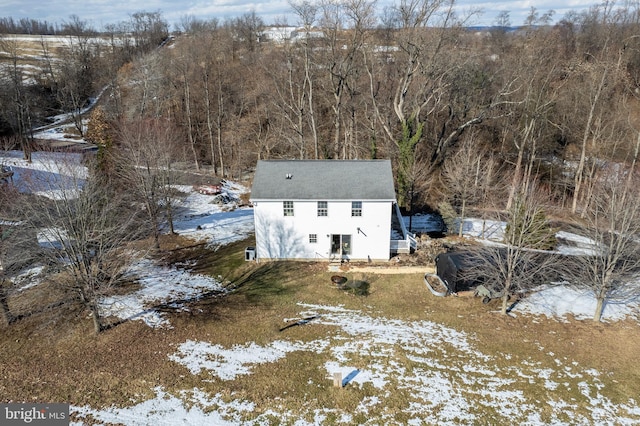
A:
(313, 238)
(323, 208)
(356, 208)
(287, 206)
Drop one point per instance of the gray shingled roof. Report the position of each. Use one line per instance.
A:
(323, 180)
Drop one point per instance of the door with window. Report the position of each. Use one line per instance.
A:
(340, 245)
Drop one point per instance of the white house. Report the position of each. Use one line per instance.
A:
(327, 210)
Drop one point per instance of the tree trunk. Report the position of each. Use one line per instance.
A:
(156, 236)
(5, 312)
(312, 117)
(210, 124)
(507, 291)
(153, 211)
(577, 191)
(95, 316)
(219, 121)
(505, 303)
(187, 105)
(88, 299)
(604, 286)
(590, 184)
(517, 175)
(170, 217)
(337, 128)
(597, 316)
(462, 213)
(220, 156)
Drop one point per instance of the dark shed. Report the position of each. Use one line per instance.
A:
(452, 267)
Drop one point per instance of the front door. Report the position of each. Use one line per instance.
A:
(341, 245)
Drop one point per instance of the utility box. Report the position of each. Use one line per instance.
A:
(250, 254)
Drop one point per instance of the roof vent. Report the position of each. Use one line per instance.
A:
(288, 176)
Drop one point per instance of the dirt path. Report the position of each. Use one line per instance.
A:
(389, 269)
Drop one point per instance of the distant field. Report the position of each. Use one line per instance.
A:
(34, 52)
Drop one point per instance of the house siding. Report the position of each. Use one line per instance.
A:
(287, 237)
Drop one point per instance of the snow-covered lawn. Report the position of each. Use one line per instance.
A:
(203, 218)
(158, 285)
(462, 387)
(564, 301)
(48, 173)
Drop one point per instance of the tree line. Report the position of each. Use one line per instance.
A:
(414, 85)
(418, 86)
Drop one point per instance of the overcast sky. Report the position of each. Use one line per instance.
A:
(101, 12)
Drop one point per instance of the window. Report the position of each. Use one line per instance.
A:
(322, 208)
(288, 208)
(313, 238)
(356, 208)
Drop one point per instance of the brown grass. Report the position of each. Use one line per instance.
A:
(53, 355)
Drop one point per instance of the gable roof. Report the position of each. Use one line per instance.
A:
(359, 180)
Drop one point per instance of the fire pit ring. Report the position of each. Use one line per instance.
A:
(338, 279)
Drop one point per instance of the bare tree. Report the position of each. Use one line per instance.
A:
(426, 95)
(248, 29)
(521, 262)
(601, 74)
(6, 229)
(468, 176)
(76, 72)
(18, 248)
(613, 225)
(532, 105)
(148, 29)
(84, 231)
(146, 153)
(346, 27)
(20, 105)
(185, 67)
(293, 82)
(151, 95)
(307, 12)
(214, 70)
(600, 79)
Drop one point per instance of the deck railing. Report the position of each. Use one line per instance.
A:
(404, 246)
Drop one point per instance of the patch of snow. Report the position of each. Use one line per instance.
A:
(158, 285)
(227, 364)
(52, 238)
(483, 229)
(203, 219)
(574, 244)
(169, 410)
(50, 174)
(454, 393)
(561, 301)
(28, 278)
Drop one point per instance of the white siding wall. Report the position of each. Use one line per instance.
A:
(287, 237)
